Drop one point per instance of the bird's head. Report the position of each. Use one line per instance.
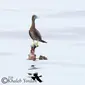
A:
(34, 17)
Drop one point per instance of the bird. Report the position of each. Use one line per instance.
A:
(34, 33)
(36, 77)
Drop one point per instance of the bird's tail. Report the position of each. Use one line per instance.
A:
(43, 41)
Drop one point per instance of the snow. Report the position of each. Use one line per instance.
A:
(62, 25)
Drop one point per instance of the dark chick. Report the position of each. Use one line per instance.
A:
(37, 77)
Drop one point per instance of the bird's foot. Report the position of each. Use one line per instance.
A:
(35, 44)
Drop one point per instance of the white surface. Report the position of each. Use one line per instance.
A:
(62, 25)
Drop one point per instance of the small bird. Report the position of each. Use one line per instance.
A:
(34, 33)
(36, 77)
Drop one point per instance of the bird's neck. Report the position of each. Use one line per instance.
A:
(33, 23)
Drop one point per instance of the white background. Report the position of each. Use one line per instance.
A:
(62, 25)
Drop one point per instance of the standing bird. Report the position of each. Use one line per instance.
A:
(34, 33)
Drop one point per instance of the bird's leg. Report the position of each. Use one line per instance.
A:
(33, 42)
(37, 44)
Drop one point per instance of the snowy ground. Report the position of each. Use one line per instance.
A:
(62, 25)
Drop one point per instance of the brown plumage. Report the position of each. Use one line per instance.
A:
(34, 33)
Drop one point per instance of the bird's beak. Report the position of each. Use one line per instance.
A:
(37, 17)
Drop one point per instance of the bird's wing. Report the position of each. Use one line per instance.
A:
(30, 34)
(37, 34)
